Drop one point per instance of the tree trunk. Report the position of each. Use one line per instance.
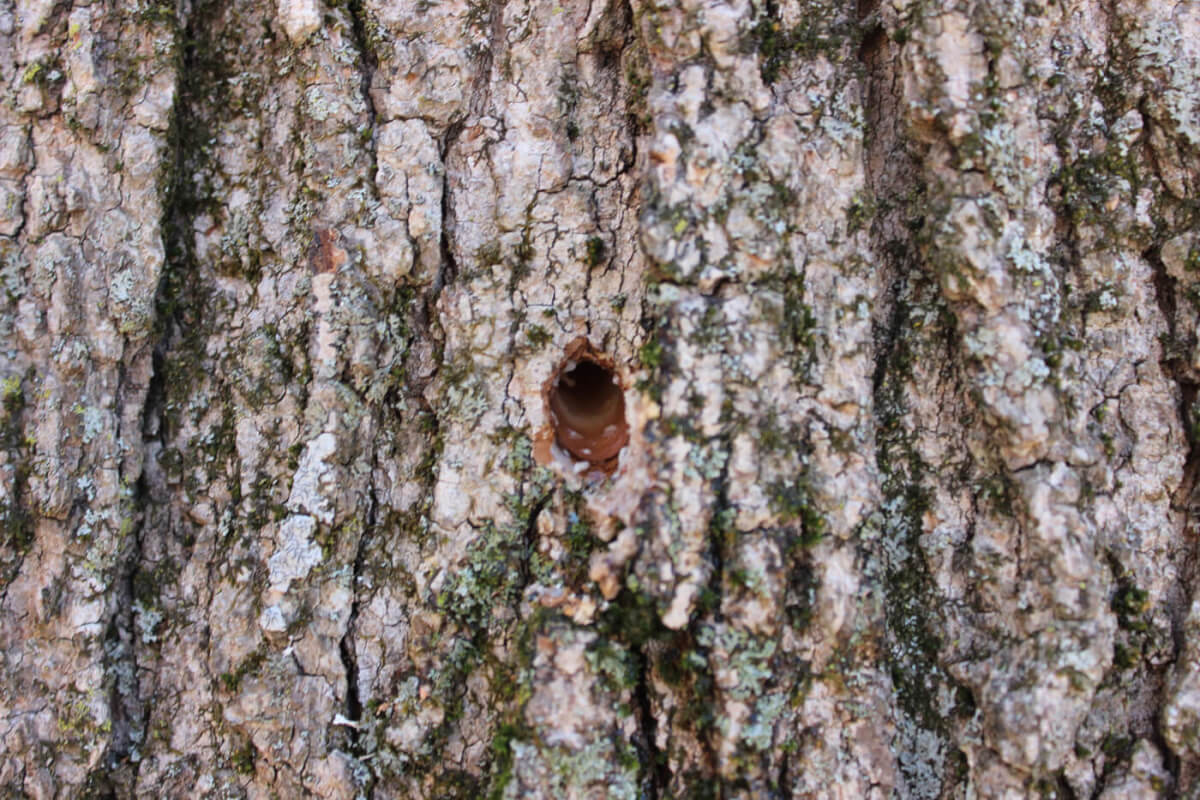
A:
(900, 300)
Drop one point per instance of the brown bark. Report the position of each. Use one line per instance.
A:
(901, 301)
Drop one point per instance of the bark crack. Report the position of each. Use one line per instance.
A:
(529, 539)
(656, 777)
(370, 63)
(448, 269)
(346, 647)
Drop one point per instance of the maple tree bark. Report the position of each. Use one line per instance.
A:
(902, 299)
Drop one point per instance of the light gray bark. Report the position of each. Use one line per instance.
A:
(903, 298)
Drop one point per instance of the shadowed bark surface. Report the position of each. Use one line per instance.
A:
(901, 301)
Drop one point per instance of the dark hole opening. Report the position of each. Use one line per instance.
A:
(588, 408)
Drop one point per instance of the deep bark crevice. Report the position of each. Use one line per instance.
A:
(485, 60)
(1174, 366)
(911, 638)
(1184, 500)
(347, 647)
(131, 715)
(655, 775)
(16, 517)
(448, 269)
(118, 772)
(369, 63)
(529, 538)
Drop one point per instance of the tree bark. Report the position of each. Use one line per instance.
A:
(902, 300)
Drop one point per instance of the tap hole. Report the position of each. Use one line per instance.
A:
(587, 408)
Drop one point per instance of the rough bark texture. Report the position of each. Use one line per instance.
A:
(904, 299)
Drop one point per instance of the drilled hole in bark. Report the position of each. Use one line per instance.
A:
(587, 409)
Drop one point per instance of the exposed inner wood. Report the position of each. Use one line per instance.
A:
(587, 408)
